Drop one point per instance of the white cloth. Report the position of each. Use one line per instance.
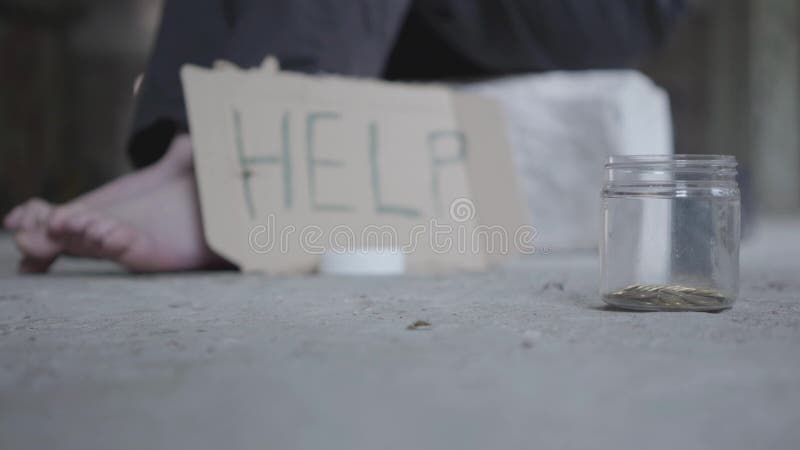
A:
(562, 127)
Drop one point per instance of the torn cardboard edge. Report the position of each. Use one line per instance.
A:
(290, 166)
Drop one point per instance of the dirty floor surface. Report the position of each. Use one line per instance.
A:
(524, 356)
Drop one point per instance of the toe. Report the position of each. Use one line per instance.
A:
(35, 214)
(95, 235)
(12, 219)
(27, 215)
(37, 249)
(78, 222)
(60, 216)
(76, 236)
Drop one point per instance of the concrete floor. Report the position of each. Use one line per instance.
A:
(519, 357)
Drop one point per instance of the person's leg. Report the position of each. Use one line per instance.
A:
(352, 37)
(480, 38)
(191, 32)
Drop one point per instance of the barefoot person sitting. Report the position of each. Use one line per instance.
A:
(149, 220)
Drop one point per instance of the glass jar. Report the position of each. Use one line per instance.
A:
(670, 233)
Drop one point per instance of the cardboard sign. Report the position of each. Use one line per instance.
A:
(290, 166)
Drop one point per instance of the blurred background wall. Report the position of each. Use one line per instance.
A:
(67, 69)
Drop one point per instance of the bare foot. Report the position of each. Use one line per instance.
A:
(160, 231)
(147, 221)
(176, 161)
(36, 212)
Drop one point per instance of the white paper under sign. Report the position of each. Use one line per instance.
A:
(291, 165)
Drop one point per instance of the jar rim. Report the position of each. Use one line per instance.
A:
(722, 161)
